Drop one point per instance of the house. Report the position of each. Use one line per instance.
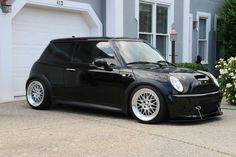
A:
(31, 24)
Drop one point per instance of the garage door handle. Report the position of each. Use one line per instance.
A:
(70, 69)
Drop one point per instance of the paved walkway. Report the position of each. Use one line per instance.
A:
(76, 131)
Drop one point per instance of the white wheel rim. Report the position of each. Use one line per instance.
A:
(145, 104)
(35, 93)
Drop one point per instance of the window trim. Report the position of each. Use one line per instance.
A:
(206, 16)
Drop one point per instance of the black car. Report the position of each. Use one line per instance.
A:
(126, 74)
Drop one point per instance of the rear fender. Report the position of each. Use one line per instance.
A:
(44, 79)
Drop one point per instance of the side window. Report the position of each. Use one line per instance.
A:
(88, 51)
(59, 52)
(83, 53)
(104, 51)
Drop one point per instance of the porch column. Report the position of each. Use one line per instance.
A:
(186, 22)
(114, 18)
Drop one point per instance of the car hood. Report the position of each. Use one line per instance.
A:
(188, 77)
(165, 71)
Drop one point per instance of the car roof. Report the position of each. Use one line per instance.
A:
(93, 39)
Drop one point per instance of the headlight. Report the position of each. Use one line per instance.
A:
(214, 79)
(176, 84)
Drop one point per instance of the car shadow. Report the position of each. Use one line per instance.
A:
(115, 114)
(198, 122)
(91, 111)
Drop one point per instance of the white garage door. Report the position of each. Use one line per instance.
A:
(33, 28)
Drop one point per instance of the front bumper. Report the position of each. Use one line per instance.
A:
(195, 106)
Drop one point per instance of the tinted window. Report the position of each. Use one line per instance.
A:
(60, 52)
(83, 53)
(87, 52)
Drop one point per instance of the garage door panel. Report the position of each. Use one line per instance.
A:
(29, 60)
(35, 37)
(51, 20)
(33, 29)
(25, 49)
(50, 28)
(18, 86)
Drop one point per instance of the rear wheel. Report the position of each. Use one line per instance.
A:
(147, 105)
(37, 95)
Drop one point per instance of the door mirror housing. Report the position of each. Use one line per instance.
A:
(102, 63)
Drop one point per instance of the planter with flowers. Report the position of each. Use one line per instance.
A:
(227, 78)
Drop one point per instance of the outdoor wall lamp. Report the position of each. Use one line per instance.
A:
(173, 35)
(6, 6)
(173, 38)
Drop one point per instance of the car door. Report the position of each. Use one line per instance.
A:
(86, 82)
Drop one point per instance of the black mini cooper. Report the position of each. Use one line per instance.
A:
(125, 74)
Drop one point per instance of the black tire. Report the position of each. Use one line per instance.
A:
(159, 114)
(45, 101)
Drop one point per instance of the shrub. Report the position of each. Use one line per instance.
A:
(192, 66)
(227, 78)
(227, 27)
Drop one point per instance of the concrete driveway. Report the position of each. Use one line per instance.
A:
(76, 131)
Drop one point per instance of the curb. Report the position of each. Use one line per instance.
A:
(227, 108)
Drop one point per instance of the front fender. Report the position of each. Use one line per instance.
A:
(163, 87)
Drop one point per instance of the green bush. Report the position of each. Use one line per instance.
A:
(227, 29)
(227, 78)
(192, 66)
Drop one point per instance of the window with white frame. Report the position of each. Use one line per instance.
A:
(145, 22)
(153, 25)
(203, 35)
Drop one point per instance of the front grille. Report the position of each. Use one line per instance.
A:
(209, 108)
(205, 85)
(204, 88)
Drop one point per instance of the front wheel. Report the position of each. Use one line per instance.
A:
(147, 105)
(37, 95)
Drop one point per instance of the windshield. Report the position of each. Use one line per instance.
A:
(138, 52)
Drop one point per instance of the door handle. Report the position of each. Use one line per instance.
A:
(70, 69)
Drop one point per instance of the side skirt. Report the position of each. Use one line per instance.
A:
(91, 105)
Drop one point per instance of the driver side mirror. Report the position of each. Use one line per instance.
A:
(102, 63)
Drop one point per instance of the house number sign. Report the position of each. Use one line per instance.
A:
(60, 2)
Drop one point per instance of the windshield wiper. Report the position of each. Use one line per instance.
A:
(144, 62)
(166, 62)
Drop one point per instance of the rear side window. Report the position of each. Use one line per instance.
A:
(83, 52)
(57, 53)
(87, 52)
